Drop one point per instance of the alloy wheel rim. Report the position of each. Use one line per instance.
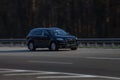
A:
(53, 46)
(31, 46)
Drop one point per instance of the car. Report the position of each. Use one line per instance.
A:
(52, 38)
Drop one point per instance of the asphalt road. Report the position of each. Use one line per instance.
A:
(18, 63)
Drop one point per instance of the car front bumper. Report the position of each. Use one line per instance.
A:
(67, 44)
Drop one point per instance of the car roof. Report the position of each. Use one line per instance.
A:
(51, 28)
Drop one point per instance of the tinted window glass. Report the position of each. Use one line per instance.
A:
(60, 32)
(37, 32)
(45, 33)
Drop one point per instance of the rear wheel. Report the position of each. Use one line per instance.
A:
(73, 48)
(53, 46)
(31, 46)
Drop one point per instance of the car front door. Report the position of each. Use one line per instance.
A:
(45, 39)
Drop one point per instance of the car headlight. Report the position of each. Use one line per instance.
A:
(60, 39)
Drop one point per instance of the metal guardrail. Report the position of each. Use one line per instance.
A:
(96, 42)
(12, 42)
(82, 42)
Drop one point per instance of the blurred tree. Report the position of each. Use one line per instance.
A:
(84, 18)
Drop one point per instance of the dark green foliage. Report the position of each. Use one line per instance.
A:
(83, 18)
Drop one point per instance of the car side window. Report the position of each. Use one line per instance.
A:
(45, 33)
(38, 32)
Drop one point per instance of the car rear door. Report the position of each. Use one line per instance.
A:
(37, 38)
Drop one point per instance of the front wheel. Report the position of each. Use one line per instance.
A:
(31, 46)
(53, 46)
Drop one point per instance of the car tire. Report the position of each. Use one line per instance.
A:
(53, 46)
(73, 48)
(31, 46)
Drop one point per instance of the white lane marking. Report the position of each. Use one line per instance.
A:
(108, 77)
(67, 75)
(81, 76)
(25, 74)
(104, 58)
(43, 73)
(51, 62)
(12, 71)
(3, 69)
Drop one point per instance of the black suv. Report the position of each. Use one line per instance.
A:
(52, 38)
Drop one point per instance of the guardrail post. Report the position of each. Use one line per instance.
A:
(22, 44)
(96, 45)
(113, 45)
(0, 44)
(88, 44)
(104, 45)
(11, 43)
(80, 45)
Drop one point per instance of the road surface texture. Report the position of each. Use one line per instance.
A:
(18, 63)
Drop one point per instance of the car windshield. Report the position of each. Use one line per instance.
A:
(60, 33)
